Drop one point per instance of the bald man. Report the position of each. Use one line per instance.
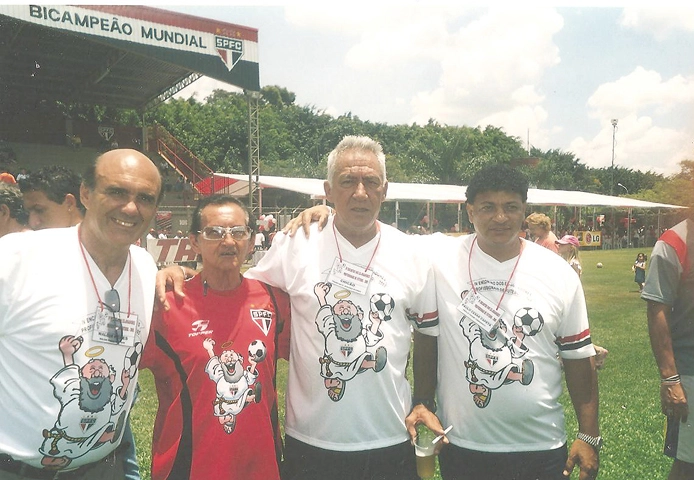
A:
(75, 310)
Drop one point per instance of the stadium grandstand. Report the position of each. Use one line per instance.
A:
(131, 57)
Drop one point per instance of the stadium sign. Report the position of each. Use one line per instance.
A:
(207, 46)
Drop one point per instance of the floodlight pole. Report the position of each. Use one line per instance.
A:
(614, 134)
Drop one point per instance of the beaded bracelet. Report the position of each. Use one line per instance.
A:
(673, 380)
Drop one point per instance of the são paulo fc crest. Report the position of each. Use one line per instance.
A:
(262, 318)
(229, 49)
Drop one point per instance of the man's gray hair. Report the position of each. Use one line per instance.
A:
(353, 142)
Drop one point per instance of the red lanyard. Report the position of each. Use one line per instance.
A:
(96, 290)
(339, 253)
(513, 272)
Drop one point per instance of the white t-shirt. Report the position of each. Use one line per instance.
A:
(47, 299)
(501, 394)
(369, 363)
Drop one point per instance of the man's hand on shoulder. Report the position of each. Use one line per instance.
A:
(171, 278)
(317, 213)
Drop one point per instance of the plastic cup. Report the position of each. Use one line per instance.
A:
(424, 452)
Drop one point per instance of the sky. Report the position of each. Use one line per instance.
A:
(556, 77)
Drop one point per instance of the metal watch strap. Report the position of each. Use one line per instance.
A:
(595, 442)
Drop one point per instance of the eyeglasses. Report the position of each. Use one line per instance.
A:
(115, 326)
(217, 233)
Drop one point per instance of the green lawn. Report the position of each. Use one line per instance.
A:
(630, 416)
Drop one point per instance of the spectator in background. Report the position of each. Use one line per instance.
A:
(260, 239)
(639, 269)
(13, 217)
(52, 197)
(567, 248)
(540, 226)
(22, 174)
(7, 177)
(76, 141)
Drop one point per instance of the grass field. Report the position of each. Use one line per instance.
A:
(630, 418)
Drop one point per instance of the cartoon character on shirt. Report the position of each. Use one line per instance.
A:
(236, 387)
(348, 339)
(496, 357)
(88, 403)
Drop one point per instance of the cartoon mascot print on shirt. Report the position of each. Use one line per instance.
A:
(496, 358)
(348, 339)
(236, 387)
(88, 403)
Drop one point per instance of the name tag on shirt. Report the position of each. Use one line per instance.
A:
(481, 311)
(115, 328)
(350, 276)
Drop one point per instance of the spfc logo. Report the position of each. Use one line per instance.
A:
(106, 132)
(86, 423)
(229, 49)
(492, 359)
(263, 319)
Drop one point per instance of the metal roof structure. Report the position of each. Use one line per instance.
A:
(119, 56)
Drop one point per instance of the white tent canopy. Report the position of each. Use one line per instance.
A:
(433, 193)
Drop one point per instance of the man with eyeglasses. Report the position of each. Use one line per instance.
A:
(214, 354)
(75, 310)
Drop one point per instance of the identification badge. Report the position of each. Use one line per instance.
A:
(115, 328)
(350, 276)
(479, 310)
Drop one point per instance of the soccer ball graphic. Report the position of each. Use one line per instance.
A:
(132, 359)
(529, 320)
(257, 351)
(382, 304)
(599, 265)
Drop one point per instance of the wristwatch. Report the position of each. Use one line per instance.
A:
(595, 442)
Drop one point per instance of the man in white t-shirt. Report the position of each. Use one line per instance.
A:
(507, 312)
(75, 309)
(356, 290)
(507, 307)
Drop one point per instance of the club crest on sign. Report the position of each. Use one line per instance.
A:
(106, 132)
(229, 49)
